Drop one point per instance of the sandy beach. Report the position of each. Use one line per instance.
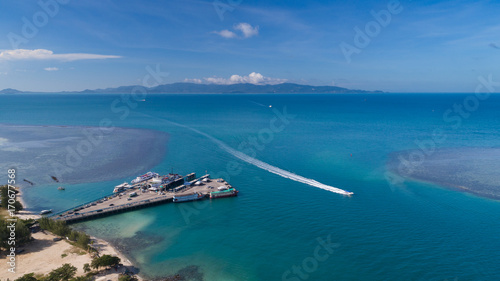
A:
(24, 214)
(44, 255)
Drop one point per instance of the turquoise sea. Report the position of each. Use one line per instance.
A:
(280, 229)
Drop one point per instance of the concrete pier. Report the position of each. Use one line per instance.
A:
(124, 201)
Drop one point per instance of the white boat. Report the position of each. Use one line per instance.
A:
(121, 187)
(44, 212)
(145, 177)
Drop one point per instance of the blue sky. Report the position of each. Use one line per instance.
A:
(427, 46)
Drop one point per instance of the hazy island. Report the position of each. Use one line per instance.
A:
(241, 88)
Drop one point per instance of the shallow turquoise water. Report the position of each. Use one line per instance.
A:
(416, 231)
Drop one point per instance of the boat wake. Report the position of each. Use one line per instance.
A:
(270, 168)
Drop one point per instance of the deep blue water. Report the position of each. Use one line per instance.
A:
(411, 231)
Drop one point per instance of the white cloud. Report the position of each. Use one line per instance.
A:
(226, 33)
(215, 80)
(246, 31)
(42, 54)
(195, 80)
(252, 78)
(51, 69)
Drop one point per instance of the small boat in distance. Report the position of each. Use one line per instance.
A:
(61, 188)
(44, 212)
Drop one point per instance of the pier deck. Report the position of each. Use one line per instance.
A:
(122, 202)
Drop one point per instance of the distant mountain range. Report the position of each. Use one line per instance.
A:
(10, 91)
(223, 89)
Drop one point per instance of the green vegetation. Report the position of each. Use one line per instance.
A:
(77, 251)
(105, 261)
(23, 234)
(124, 277)
(4, 196)
(57, 227)
(86, 268)
(67, 271)
(64, 273)
(27, 277)
(60, 228)
(82, 278)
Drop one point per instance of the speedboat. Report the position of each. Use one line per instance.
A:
(44, 212)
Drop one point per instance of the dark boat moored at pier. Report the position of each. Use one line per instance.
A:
(187, 197)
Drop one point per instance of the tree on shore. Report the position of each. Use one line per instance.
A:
(27, 277)
(57, 227)
(22, 234)
(4, 197)
(82, 278)
(105, 261)
(60, 228)
(86, 268)
(63, 273)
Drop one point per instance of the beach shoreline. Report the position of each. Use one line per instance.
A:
(37, 251)
(24, 214)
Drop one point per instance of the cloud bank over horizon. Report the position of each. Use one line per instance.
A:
(253, 78)
(424, 48)
(43, 54)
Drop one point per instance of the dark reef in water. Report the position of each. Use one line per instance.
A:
(188, 273)
(141, 240)
(77, 154)
(469, 169)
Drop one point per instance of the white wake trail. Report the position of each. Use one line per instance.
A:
(275, 170)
